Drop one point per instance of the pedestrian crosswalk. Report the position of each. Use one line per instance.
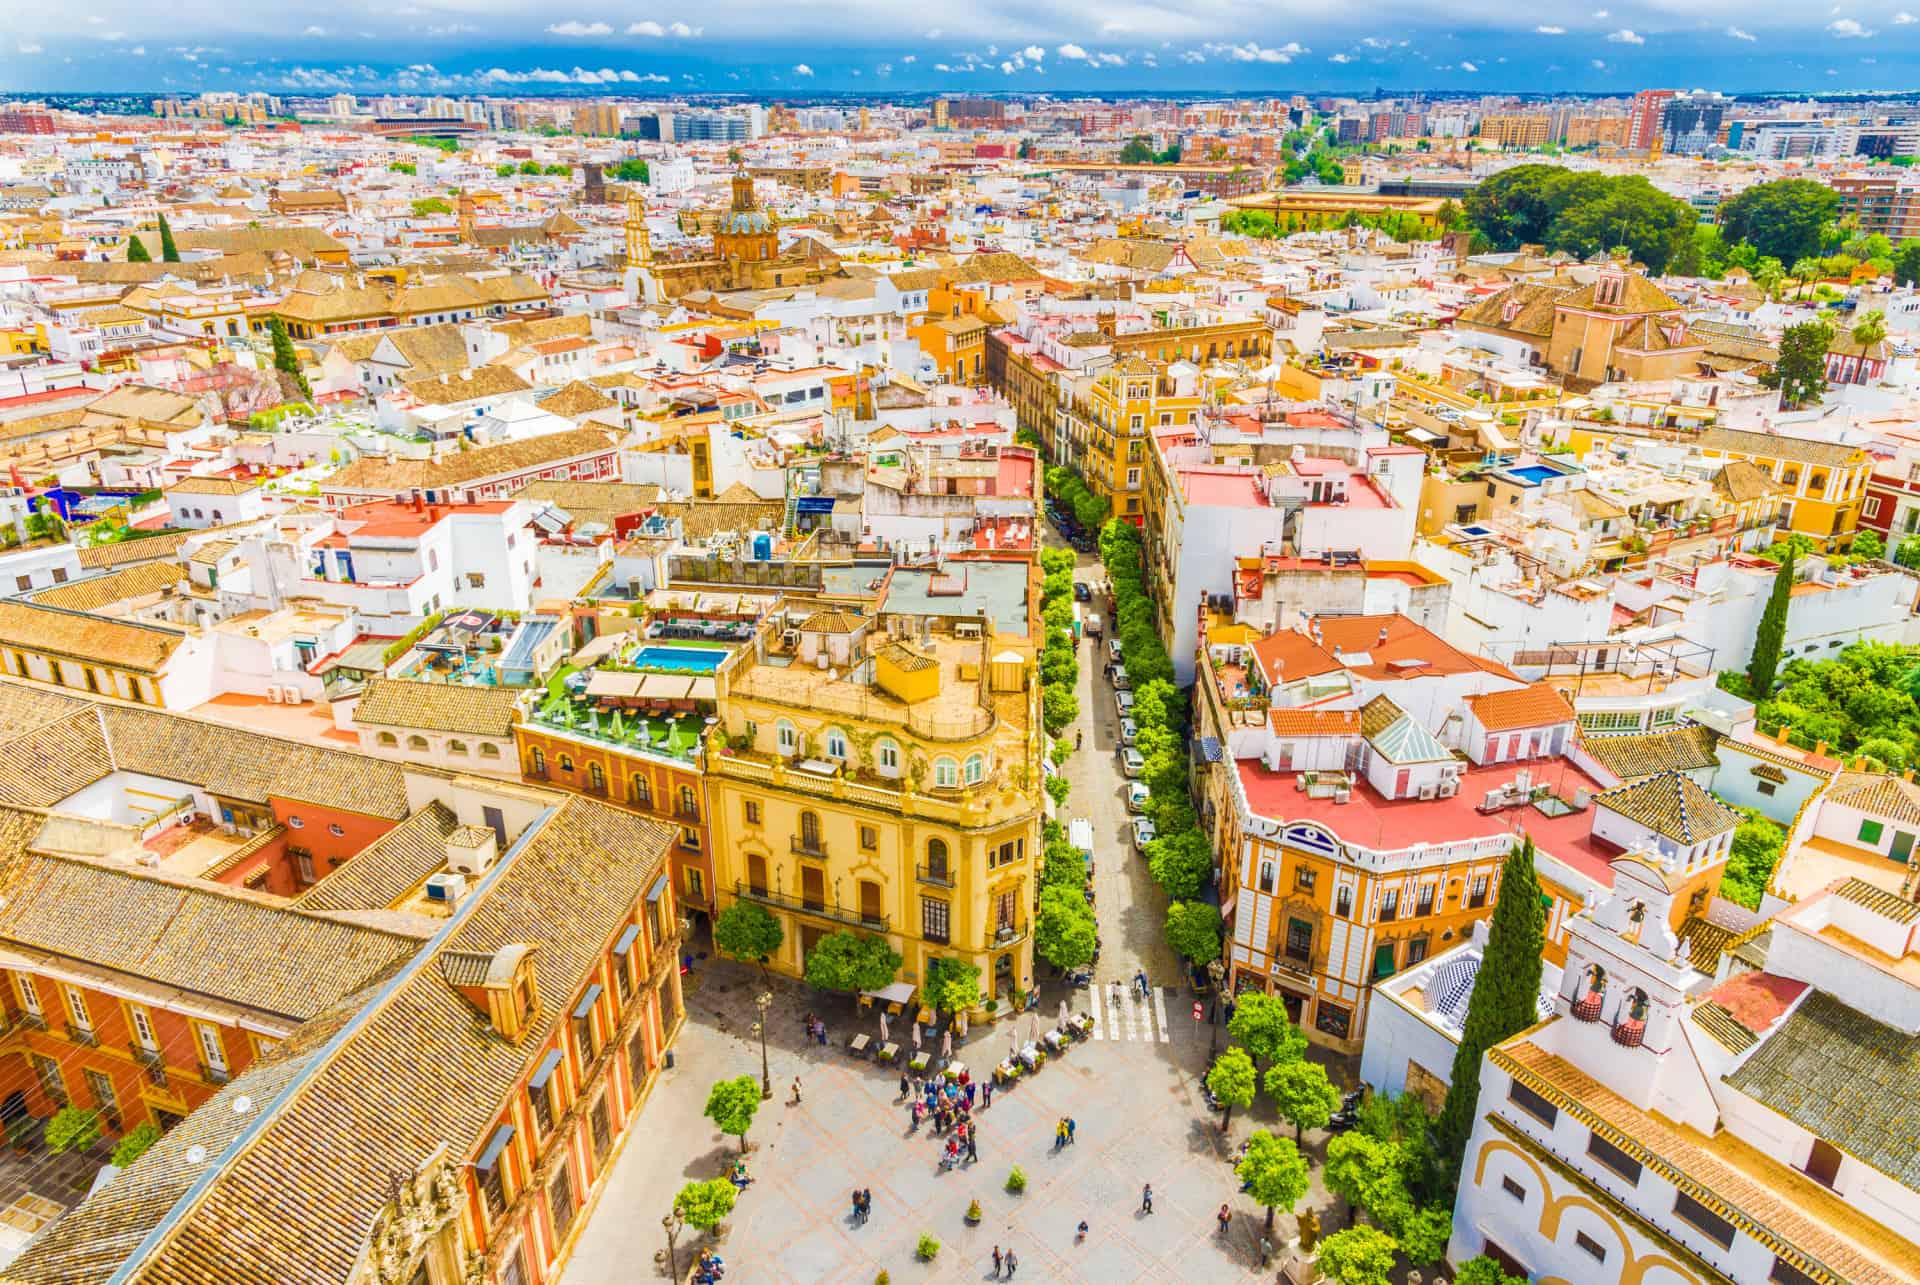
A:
(1120, 1014)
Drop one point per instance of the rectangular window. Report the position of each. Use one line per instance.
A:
(583, 1036)
(637, 1060)
(1613, 1158)
(142, 1027)
(1343, 902)
(1532, 1103)
(560, 1203)
(47, 1071)
(1870, 831)
(1703, 1220)
(29, 995)
(869, 838)
(1590, 1246)
(1383, 961)
(1478, 896)
(1514, 1189)
(602, 1129)
(753, 812)
(933, 919)
(77, 1009)
(1304, 879)
(1417, 950)
(540, 1096)
(1333, 1019)
(1389, 905)
(1423, 900)
(1299, 941)
(1765, 787)
(1785, 1273)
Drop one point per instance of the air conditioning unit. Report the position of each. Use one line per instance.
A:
(965, 629)
(294, 696)
(446, 887)
(1429, 790)
(1449, 787)
(273, 694)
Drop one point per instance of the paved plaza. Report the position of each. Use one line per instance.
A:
(1133, 1094)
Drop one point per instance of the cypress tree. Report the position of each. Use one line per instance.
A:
(1504, 996)
(1772, 632)
(169, 253)
(136, 251)
(285, 358)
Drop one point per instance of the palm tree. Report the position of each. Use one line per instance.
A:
(1804, 272)
(1870, 329)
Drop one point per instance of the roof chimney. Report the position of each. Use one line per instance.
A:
(471, 849)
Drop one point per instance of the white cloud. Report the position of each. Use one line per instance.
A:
(1341, 58)
(1903, 19)
(884, 69)
(1467, 66)
(113, 36)
(1601, 15)
(1193, 55)
(28, 47)
(1109, 60)
(648, 28)
(138, 51)
(1252, 52)
(1626, 36)
(1847, 29)
(1741, 34)
(1599, 65)
(314, 31)
(574, 27)
(1007, 68)
(683, 31)
(1376, 42)
(1073, 53)
(801, 69)
(940, 66)
(911, 58)
(1033, 53)
(1550, 31)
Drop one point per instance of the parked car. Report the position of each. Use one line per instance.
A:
(1082, 592)
(1113, 650)
(1143, 833)
(1128, 731)
(1121, 683)
(1137, 796)
(1123, 703)
(1132, 762)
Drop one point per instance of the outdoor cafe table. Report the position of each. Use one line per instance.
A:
(858, 1044)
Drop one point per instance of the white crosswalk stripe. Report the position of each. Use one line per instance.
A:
(1160, 1014)
(1098, 1012)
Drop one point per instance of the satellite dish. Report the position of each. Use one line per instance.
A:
(242, 1104)
(196, 1154)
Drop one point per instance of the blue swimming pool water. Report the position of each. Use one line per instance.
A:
(685, 660)
(1535, 473)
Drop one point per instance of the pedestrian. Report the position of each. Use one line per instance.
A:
(973, 1147)
(969, 1096)
(1013, 1264)
(1266, 1251)
(1146, 1199)
(866, 1204)
(903, 1087)
(796, 1092)
(808, 1024)
(1076, 739)
(1080, 1234)
(856, 1203)
(1224, 1218)
(1059, 1134)
(986, 1093)
(996, 1262)
(1071, 1126)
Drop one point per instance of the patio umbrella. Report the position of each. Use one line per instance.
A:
(961, 1022)
(946, 1044)
(1033, 1030)
(883, 1026)
(916, 1037)
(1063, 1012)
(1013, 1045)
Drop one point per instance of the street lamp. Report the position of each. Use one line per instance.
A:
(763, 1003)
(1217, 970)
(671, 1224)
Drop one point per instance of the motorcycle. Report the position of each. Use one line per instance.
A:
(1080, 978)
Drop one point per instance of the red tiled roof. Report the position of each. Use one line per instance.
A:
(1756, 1000)
(1315, 722)
(1404, 641)
(1535, 705)
(1288, 655)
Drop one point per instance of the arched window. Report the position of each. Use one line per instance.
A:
(836, 744)
(596, 777)
(539, 761)
(566, 762)
(416, 742)
(639, 792)
(488, 750)
(688, 808)
(886, 756)
(388, 739)
(976, 769)
(788, 737)
(946, 773)
(937, 858)
(810, 832)
(457, 747)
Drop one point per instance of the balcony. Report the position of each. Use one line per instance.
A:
(690, 815)
(32, 1022)
(941, 874)
(214, 1074)
(153, 1060)
(1628, 1032)
(82, 1035)
(818, 907)
(1006, 935)
(813, 849)
(1587, 1007)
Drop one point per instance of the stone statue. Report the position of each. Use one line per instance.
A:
(1309, 1224)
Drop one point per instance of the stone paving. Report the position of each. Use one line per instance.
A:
(1136, 1103)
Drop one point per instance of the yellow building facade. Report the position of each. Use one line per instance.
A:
(882, 775)
(1108, 422)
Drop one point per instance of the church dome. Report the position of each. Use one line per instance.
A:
(744, 223)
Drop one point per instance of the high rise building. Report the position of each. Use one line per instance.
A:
(598, 120)
(1643, 122)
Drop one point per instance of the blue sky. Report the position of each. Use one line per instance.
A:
(794, 47)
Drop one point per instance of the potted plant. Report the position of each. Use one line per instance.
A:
(973, 1213)
(927, 1248)
(21, 1131)
(1016, 1180)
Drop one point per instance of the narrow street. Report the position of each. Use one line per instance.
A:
(1128, 905)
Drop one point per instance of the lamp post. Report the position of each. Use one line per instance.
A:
(671, 1224)
(763, 1003)
(1217, 970)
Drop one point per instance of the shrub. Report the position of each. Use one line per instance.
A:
(1016, 1179)
(973, 1211)
(135, 1144)
(926, 1249)
(72, 1129)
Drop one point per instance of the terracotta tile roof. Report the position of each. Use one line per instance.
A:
(1789, 1213)
(99, 557)
(460, 467)
(1878, 793)
(831, 622)
(389, 868)
(1670, 804)
(1535, 705)
(467, 385)
(43, 765)
(1378, 714)
(1777, 446)
(1358, 643)
(95, 592)
(1636, 754)
(1287, 655)
(405, 1079)
(1315, 722)
(34, 629)
(594, 502)
(1887, 905)
(437, 707)
(577, 398)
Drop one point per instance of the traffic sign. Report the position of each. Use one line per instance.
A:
(1196, 1010)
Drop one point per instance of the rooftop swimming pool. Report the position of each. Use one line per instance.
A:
(678, 660)
(1535, 473)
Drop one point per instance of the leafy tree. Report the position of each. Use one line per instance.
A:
(1771, 633)
(1505, 994)
(1630, 212)
(631, 170)
(506, 171)
(1058, 708)
(1907, 552)
(1906, 262)
(1065, 933)
(559, 171)
(530, 167)
(1484, 1271)
(72, 1129)
(1260, 1022)
(850, 961)
(285, 358)
(1275, 1172)
(1193, 930)
(748, 930)
(1786, 219)
(1180, 862)
(1357, 1256)
(732, 1104)
(952, 985)
(137, 251)
(705, 1205)
(1137, 151)
(1870, 329)
(428, 205)
(134, 1143)
(1867, 546)
(1304, 1094)
(735, 156)
(403, 167)
(1423, 1233)
(1363, 1171)
(1751, 859)
(1232, 1082)
(1801, 371)
(169, 252)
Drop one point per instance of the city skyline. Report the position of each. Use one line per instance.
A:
(469, 46)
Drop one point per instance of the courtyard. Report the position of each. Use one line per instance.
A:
(1133, 1092)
